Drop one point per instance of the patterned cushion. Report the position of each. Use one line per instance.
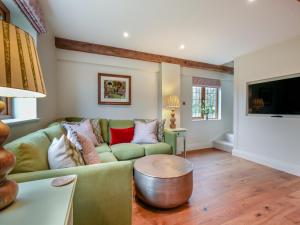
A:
(145, 133)
(97, 130)
(63, 154)
(160, 130)
(84, 128)
(89, 153)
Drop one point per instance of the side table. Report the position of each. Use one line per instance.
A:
(180, 132)
(38, 202)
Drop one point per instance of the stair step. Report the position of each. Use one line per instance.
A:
(223, 145)
(229, 137)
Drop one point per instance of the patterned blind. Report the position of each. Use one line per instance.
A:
(206, 82)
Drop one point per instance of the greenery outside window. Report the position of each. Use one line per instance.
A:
(205, 98)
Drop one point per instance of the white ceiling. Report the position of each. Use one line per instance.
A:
(214, 31)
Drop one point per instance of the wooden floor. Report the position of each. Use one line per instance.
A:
(230, 191)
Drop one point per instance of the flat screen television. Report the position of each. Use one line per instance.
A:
(275, 97)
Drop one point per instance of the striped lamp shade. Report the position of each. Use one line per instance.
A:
(20, 70)
(172, 102)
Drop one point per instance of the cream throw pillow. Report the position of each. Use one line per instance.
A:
(145, 133)
(160, 127)
(63, 154)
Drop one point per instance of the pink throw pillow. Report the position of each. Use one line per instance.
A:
(89, 153)
(84, 128)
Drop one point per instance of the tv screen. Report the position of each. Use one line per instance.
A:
(277, 97)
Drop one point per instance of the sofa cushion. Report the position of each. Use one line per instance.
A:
(74, 119)
(84, 128)
(106, 157)
(145, 132)
(63, 154)
(119, 124)
(29, 159)
(160, 127)
(97, 130)
(158, 148)
(121, 135)
(54, 131)
(88, 152)
(37, 140)
(127, 151)
(103, 148)
(104, 130)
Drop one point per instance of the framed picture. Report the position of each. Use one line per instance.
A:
(114, 89)
(4, 12)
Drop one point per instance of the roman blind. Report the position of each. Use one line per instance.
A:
(206, 82)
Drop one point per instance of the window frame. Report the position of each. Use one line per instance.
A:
(7, 113)
(203, 98)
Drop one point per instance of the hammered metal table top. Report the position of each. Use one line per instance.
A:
(163, 166)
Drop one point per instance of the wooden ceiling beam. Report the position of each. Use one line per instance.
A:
(131, 54)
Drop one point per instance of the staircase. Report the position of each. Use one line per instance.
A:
(225, 142)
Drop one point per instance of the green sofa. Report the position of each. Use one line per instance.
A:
(103, 194)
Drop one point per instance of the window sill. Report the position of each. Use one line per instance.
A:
(13, 122)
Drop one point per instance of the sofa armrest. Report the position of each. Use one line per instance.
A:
(103, 194)
(171, 139)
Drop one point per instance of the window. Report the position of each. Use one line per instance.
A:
(19, 110)
(7, 113)
(205, 102)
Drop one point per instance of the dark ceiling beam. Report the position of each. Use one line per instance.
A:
(131, 54)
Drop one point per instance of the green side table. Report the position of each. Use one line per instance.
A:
(180, 132)
(39, 203)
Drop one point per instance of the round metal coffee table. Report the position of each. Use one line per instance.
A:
(163, 181)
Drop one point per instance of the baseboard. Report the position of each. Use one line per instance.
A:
(273, 163)
(197, 146)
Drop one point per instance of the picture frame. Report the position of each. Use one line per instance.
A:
(114, 89)
(4, 12)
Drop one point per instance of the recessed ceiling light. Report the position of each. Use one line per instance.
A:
(125, 34)
(251, 1)
(181, 47)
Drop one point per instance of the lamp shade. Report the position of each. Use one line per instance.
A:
(172, 102)
(20, 70)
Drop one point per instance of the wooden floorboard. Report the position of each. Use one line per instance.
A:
(230, 191)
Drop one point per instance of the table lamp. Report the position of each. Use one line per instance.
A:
(172, 103)
(20, 76)
(258, 104)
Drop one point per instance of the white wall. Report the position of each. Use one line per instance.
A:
(170, 75)
(78, 86)
(201, 133)
(269, 141)
(77, 92)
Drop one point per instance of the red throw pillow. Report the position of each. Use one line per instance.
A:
(121, 135)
